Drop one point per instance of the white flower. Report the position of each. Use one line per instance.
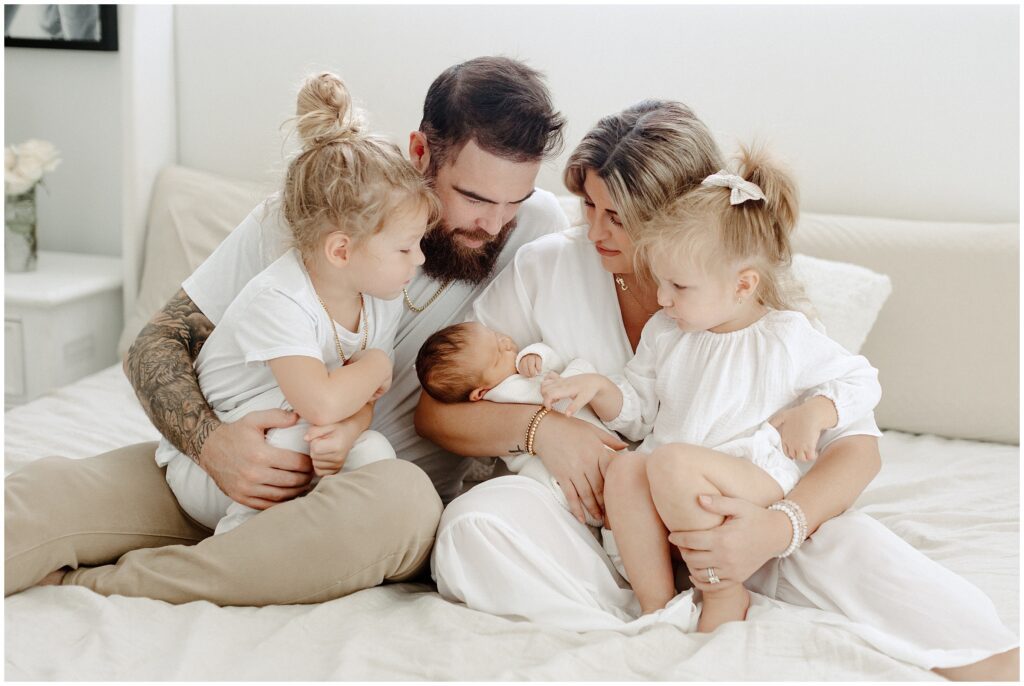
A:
(40, 152)
(16, 184)
(25, 165)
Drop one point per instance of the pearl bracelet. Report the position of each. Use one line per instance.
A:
(531, 431)
(797, 519)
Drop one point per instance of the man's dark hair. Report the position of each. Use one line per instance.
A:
(438, 368)
(500, 103)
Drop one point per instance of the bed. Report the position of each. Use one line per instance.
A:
(949, 486)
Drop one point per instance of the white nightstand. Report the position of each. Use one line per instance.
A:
(61, 322)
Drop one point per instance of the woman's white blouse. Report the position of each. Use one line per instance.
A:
(556, 292)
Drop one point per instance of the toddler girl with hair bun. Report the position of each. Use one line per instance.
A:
(314, 332)
(725, 362)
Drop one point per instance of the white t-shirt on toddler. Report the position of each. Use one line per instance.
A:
(263, 236)
(278, 314)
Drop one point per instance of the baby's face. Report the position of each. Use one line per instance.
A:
(490, 354)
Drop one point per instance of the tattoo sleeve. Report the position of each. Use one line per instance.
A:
(159, 368)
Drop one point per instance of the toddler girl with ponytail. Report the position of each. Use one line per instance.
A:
(715, 383)
(314, 332)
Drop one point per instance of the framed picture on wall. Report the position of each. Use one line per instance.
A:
(66, 27)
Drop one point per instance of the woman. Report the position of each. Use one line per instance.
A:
(506, 547)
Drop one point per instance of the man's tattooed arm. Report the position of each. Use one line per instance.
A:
(159, 367)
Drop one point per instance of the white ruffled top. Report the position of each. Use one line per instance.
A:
(709, 389)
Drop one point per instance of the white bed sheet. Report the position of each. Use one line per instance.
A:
(956, 501)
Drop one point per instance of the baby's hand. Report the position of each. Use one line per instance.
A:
(581, 388)
(530, 365)
(800, 427)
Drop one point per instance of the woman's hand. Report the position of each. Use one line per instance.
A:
(750, 536)
(800, 427)
(573, 451)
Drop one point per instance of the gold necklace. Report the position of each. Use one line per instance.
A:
(334, 329)
(435, 296)
(619, 279)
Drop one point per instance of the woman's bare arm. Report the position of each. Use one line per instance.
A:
(570, 448)
(837, 479)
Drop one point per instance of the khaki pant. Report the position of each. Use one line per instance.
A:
(114, 521)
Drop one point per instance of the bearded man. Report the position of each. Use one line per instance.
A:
(111, 523)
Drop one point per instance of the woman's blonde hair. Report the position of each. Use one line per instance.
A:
(343, 178)
(704, 226)
(647, 155)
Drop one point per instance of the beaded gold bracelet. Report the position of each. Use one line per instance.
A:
(531, 431)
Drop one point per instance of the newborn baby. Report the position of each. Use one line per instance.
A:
(469, 362)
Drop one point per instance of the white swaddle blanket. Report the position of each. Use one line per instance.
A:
(522, 389)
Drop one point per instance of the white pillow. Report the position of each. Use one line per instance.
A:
(846, 297)
(190, 213)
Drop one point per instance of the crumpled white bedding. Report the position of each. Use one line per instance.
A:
(956, 501)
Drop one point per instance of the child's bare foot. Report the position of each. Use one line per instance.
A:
(727, 605)
(53, 578)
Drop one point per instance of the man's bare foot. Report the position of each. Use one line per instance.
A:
(53, 578)
(727, 605)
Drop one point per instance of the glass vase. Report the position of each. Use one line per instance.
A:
(20, 232)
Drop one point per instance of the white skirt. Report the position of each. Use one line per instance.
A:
(508, 548)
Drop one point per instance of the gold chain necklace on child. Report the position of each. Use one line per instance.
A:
(622, 284)
(435, 296)
(334, 329)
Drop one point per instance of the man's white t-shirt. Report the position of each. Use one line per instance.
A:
(264, 236)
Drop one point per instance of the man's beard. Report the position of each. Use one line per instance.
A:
(448, 260)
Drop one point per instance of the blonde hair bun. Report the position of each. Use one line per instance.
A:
(325, 111)
(344, 179)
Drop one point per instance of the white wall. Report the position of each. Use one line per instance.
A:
(72, 99)
(905, 111)
(149, 137)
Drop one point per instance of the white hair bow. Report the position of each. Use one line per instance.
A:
(742, 190)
